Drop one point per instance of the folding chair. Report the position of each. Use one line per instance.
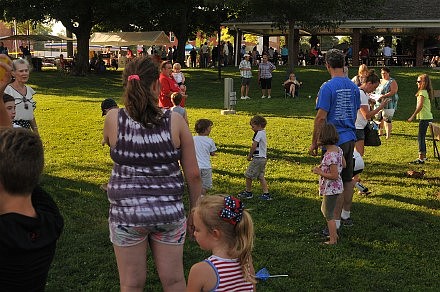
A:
(436, 99)
(435, 132)
(286, 91)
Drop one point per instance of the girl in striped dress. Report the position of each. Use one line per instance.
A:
(223, 226)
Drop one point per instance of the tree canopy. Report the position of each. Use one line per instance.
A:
(81, 17)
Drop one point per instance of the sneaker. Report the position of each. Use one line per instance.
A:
(363, 190)
(263, 96)
(418, 161)
(364, 193)
(247, 97)
(347, 222)
(245, 195)
(242, 97)
(269, 96)
(266, 197)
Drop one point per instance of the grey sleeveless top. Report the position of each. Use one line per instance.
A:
(146, 184)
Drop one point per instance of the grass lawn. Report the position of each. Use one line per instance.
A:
(393, 244)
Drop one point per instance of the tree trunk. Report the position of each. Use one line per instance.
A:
(292, 46)
(69, 44)
(81, 67)
(182, 36)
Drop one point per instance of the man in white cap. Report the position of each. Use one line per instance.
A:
(246, 75)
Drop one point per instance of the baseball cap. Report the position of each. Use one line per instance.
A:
(246, 55)
(107, 104)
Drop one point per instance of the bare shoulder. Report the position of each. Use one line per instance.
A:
(202, 277)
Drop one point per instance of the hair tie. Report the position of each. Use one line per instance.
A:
(134, 76)
(232, 211)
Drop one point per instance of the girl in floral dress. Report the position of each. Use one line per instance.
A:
(330, 181)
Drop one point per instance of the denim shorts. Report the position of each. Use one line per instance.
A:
(328, 206)
(171, 233)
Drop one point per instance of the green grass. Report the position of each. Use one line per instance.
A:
(392, 246)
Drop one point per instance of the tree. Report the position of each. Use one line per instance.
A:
(184, 18)
(78, 16)
(307, 14)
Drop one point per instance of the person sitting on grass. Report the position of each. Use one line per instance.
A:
(224, 227)
(205, 148)
(258, 159)
(292, 85)
(330, 181)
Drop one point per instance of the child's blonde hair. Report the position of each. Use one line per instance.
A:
(238, 231)
(177, 66)
(362, 69)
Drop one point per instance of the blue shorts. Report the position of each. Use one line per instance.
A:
(171, 233)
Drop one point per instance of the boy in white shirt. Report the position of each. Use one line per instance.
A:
(258, 158)
(205, 148)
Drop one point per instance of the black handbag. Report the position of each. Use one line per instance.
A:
(371, 132)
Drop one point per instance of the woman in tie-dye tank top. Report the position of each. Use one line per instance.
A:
(146, 186)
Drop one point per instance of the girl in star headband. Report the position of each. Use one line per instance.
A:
(223, 226)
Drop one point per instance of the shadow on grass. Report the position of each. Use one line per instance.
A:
(379, 243)
(429, 203)
(295, 157)
(84, 248)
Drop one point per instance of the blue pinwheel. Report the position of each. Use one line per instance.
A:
(263, 275)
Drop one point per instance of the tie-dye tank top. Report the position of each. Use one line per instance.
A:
(146, 184)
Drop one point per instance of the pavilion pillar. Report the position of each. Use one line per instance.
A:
(265, 42)
(355, 46)
(237, 47)
(420, 43)
(295, 47)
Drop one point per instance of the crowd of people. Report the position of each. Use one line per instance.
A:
(347, 106)
(30, 222)
(155, 156)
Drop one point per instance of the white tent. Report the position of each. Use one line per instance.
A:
(147, 38)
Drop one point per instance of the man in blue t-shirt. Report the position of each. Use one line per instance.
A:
(338, 102)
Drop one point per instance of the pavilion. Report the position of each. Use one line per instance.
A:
(419, 19)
